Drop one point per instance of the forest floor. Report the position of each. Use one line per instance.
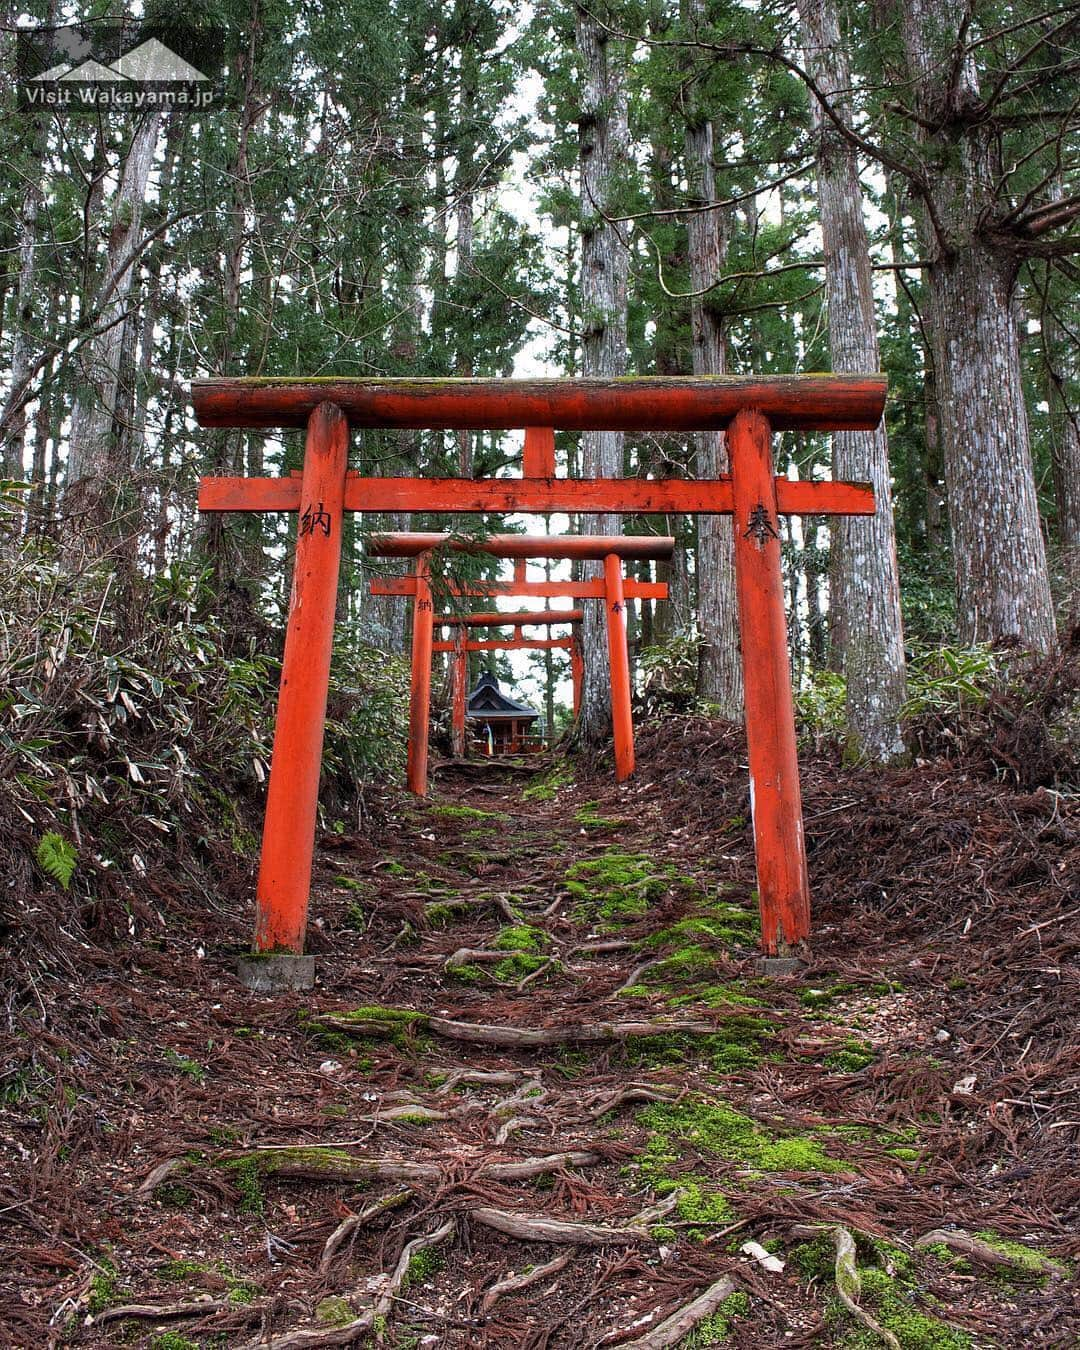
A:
(393, 1160)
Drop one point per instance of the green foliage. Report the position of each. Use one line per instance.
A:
(820, 703)
(56, 858)
(669, 674)
(104, 1287)
(190, 1068)
(145, 727)
(950, 680)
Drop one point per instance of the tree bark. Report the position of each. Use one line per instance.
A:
(91, 455)
(867, 572)
(1063, 377)
(1002, 577)
(719, 668)
(603, 151)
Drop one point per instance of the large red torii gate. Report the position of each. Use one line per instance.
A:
(615, 591)
(748, 408)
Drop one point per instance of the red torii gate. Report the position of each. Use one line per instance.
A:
(748, 408)
(462, 644)
(613, 589)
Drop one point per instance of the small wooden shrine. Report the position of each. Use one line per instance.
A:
(498, 724)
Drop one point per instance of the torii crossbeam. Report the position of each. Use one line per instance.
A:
(749, 409)
(610, 549)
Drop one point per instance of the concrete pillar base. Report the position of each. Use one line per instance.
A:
(775, 966)
(276, 972)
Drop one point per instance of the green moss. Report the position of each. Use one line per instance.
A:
(717, 1328)
(350, 883)
(181, 1271)
(852, 1056)
(423, 1264)
(821, 998)
(520, 938)
(947, 1257)
(443, 913)
(893, 1305)
(588, 816)
(617, 886)
(726, 925)
(396, 869)
(547, 788)
(816, 1259)
(246, 1172)
(1030, 1263)
(904, 1154)
(222, 1135)
(465, 974)
(172, 1340)
(180, 1197)
(517, 966)
(394, 1024)
(717, 1128)
(467, 813)
(190, 1068)
(104, 1287)
(334, 1312)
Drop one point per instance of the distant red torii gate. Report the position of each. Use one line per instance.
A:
(611, 549)
(748, 408)
(462, 644)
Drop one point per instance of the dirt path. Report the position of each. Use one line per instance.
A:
(540, 1098)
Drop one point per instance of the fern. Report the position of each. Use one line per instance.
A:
(56, 858)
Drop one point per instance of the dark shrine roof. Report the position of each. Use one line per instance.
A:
(488, 702)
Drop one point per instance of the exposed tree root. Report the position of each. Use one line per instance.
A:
(515, 1282)
(685, 1319)
(348, 1226)
(196, 1307)
(495, 1077)
(371, 1319)
(539, 1228)
(316, 1162)
(1033, 1264)
(848, 1281)
(370, 1022)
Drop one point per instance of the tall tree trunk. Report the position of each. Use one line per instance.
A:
(1063, 377)
(603, 136)
(867, 570)
(94, 421)
(1002, 578)
(719, 671)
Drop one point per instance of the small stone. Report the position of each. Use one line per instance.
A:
(941, 1036)
(330, 1066)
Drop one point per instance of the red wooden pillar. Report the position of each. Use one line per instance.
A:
(622, 724)
(292, 799)
(461, 680)
(420, 690)
(776, 802)
(577, 672)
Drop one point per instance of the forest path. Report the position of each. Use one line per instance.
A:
(388, 1160)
